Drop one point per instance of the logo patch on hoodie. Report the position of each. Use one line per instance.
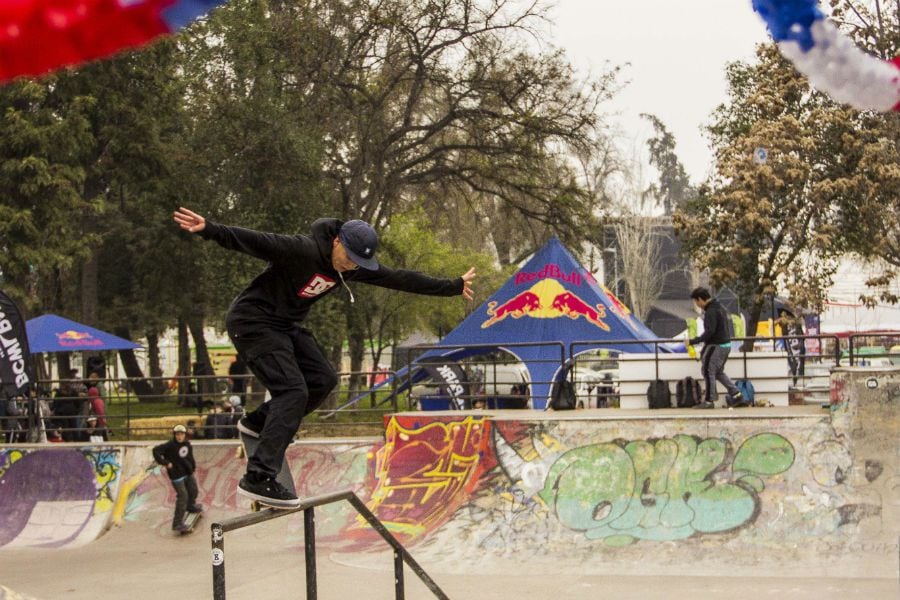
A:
(319, 284)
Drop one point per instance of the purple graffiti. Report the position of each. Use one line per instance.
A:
(43, 476)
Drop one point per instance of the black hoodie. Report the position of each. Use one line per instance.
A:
(300, 272)
(181, 455)
(717, 327)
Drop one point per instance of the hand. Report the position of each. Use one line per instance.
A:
(189, 220)
(467, 284)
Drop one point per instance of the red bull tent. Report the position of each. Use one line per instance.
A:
(51, 333)
(552, 298)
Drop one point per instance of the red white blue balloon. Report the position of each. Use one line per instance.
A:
(833, 64)
(38, 36)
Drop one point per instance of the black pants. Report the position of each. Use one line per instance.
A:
(292, 366)
(185, 497)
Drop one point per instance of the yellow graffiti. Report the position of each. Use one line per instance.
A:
(9, 458)
(125, 491)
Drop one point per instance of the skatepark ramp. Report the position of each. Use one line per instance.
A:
(808, 495)
(308, 506)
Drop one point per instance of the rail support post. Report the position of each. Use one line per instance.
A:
(218, 561)
(309, 539)
(400, 593)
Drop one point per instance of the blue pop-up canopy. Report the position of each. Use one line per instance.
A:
(52, 333)
(550, 299)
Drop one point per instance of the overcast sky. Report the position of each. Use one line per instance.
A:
(677, 52)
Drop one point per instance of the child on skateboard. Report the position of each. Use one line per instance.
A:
(177, 457)
(263, 325)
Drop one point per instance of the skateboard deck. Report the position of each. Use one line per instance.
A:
(284, 476)
(190, 520)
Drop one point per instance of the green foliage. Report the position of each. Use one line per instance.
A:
(409, 243)
(673, 187)
(435, 121)
(761, 228)
(42, 141)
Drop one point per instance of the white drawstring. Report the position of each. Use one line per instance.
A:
(352, 299)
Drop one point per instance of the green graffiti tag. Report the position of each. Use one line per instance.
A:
(665, 489)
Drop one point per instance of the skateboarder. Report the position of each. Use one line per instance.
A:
(263, 325)
(177, 457)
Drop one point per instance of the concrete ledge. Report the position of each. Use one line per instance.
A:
(612, 414)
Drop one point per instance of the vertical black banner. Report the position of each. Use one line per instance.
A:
(16, 364)
(450, 375)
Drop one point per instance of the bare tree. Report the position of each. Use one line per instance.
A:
(640, 254)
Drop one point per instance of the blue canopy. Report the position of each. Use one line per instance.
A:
(51, 333)
(550, 299)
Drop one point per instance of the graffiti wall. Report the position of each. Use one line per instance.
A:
(810, 492)
(318, 468)
(800, 491)
(56, 497)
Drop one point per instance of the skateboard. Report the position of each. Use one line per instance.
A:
(284, 476)
(190, 520)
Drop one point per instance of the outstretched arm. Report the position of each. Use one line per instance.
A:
(417, 283)
(266, 246)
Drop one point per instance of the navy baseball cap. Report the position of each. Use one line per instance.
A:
(360, 241)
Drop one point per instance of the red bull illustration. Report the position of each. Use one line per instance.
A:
(547, 299)
(77, 339)
(516, 307)
(573, 307)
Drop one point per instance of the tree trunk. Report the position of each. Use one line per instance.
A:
(184, 364)
(89, 275)
(356, 343)
(158, 384)
(136, 379)
(63, 365)
(752, 324)
(206, 385)
(334, 354)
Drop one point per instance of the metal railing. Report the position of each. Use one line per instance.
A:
(493, 383)
(401, 555)
(814, 350)
(877, 345)
(58, 409)
(497, 399)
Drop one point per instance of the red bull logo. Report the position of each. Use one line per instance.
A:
(547, 299)
(77, 339)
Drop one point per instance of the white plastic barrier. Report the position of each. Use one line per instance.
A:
(768, 371)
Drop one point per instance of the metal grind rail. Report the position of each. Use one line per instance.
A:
(401, 555)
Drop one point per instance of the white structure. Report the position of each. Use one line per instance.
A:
(767, 370)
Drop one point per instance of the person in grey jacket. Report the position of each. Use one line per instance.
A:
(263, 323)
(716, 340)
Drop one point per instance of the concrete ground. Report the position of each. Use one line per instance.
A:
(138, 563)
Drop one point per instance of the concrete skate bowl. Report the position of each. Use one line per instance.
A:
(796, 492)
(56, 497)
(68, 496)
(793, 492)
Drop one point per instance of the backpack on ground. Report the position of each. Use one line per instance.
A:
(745, 387)
(563, 396)
(688, 393)
(658, 394)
